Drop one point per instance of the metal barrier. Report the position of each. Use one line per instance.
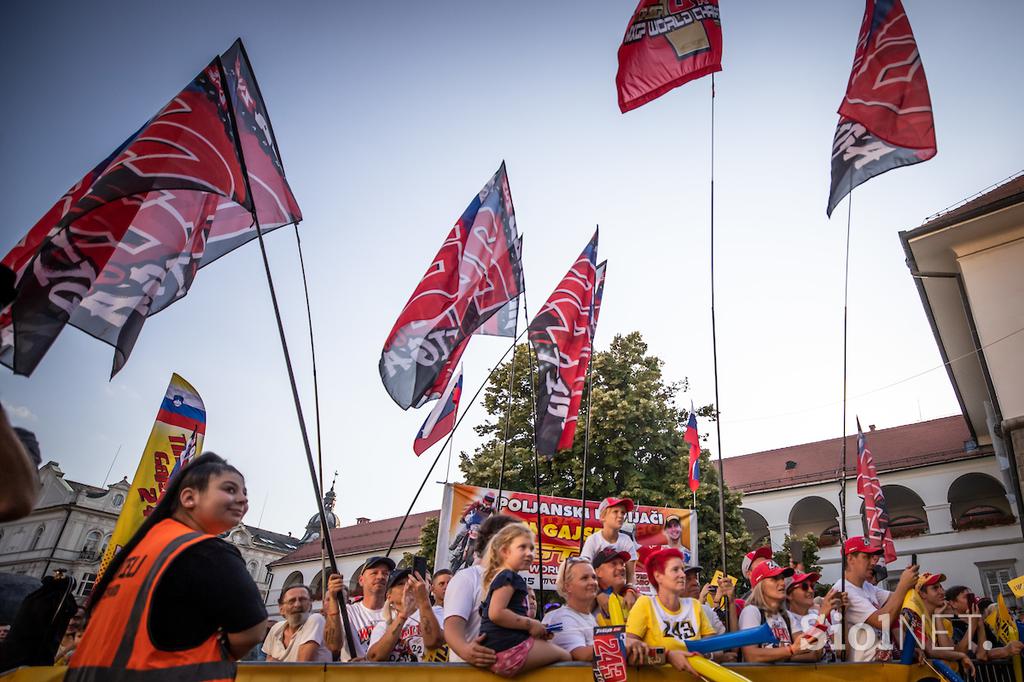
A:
(993, 671)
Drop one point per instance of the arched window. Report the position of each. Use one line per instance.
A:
(757, 526)
(254, 569)
(106, 543)
(814, 515)
(37, 537)
(977, 500)
(295, 578)
(92, 543)
(907, 517)
(118, 500)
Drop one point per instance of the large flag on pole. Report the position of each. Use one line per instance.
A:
(477, 272)
(870, 490)
(885, 119)
(127, 240)
(178, 432)
(691, 436)
(667, 43)
(441, 420)
(560, 334)
(586, 355)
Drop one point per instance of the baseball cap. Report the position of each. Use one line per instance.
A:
(614, 502)
(759, 553)
(608, 554)
(691, 569)
(399, 576)
(673, 517)
(377, 561)
(768, 569)
(798, 578)
(926, 579)
(859, 543)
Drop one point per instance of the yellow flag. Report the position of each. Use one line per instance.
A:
(711, 599)
(177, 436)
(1017, 586)
(1005, 627)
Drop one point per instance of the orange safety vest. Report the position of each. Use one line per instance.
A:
(116, 644)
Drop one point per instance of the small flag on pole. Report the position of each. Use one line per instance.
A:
(693, 439)
(441, 420)
(870, 490)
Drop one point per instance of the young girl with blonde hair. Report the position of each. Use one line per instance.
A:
(519, 641)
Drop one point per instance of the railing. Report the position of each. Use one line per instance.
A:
(992, 671)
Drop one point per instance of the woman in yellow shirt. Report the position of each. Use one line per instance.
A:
(669, 618)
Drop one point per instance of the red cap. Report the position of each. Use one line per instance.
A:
(768, 569)
(614, 502)
(860, 543)
(759, 553)
(798, 578)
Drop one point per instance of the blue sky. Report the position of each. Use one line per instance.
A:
(390, 116)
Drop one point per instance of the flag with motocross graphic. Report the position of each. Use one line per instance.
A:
(586, 353)
(560, 334)
(477, 272)
(885, 119)
(667, 43)
(128, 239)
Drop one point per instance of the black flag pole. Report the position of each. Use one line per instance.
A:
(508, 419)
(714, 344)
(536, 466)
(842, 463)
(586, 446)
(465, 411)
(317, 492)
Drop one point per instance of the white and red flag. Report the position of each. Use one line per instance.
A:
(441, 420)
(885, 119)
(870, 490)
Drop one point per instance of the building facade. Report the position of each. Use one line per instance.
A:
(353, 545)
(945, 495)
(71, 526)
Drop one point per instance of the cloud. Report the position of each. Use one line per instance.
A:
(19, 412)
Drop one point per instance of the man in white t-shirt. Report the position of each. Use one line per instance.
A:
(870, 609)
(362, 615)
(573, 624)
(409, 629)
(300, 636)
(462, 603)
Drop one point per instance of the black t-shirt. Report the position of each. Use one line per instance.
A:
(499, 638)
(205, 589)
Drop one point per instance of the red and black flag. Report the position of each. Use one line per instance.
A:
(580, 379)
(885, 120)
(870, 490)
(127, 240)
(474, 276)
(667, 43)
(561, 337)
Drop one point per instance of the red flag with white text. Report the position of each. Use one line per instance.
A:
(870, 490)
(560, 334)
(667, 43)
(885, 119)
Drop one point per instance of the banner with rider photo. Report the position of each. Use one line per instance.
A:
(465, 507)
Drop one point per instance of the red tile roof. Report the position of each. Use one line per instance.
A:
(900, 447)
(365, 537)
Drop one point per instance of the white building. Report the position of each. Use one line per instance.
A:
(353, 545)
(945, 496)
(72, 523)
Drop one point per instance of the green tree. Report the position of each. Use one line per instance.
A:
(810, 559)
(428, 541)
(636, 443)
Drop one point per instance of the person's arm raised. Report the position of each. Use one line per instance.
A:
(334, 631)
(886, 616)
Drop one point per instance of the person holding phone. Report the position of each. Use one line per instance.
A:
(410, 628)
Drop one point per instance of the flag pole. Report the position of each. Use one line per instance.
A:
(842, 463)
(586, 445)
(316, 405)
(536, 468)
(288, 363)
(714, 343)
(508, 419)
(445, 444)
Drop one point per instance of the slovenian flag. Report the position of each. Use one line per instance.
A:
(441, 419)
(693, 439)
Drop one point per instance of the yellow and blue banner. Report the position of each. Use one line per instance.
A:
(177, 436)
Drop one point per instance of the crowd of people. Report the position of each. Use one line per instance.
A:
(178, 599)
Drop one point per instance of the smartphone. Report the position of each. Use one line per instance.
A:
(419, 565)
(913, 559)
(656, 656)
(972, 600)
